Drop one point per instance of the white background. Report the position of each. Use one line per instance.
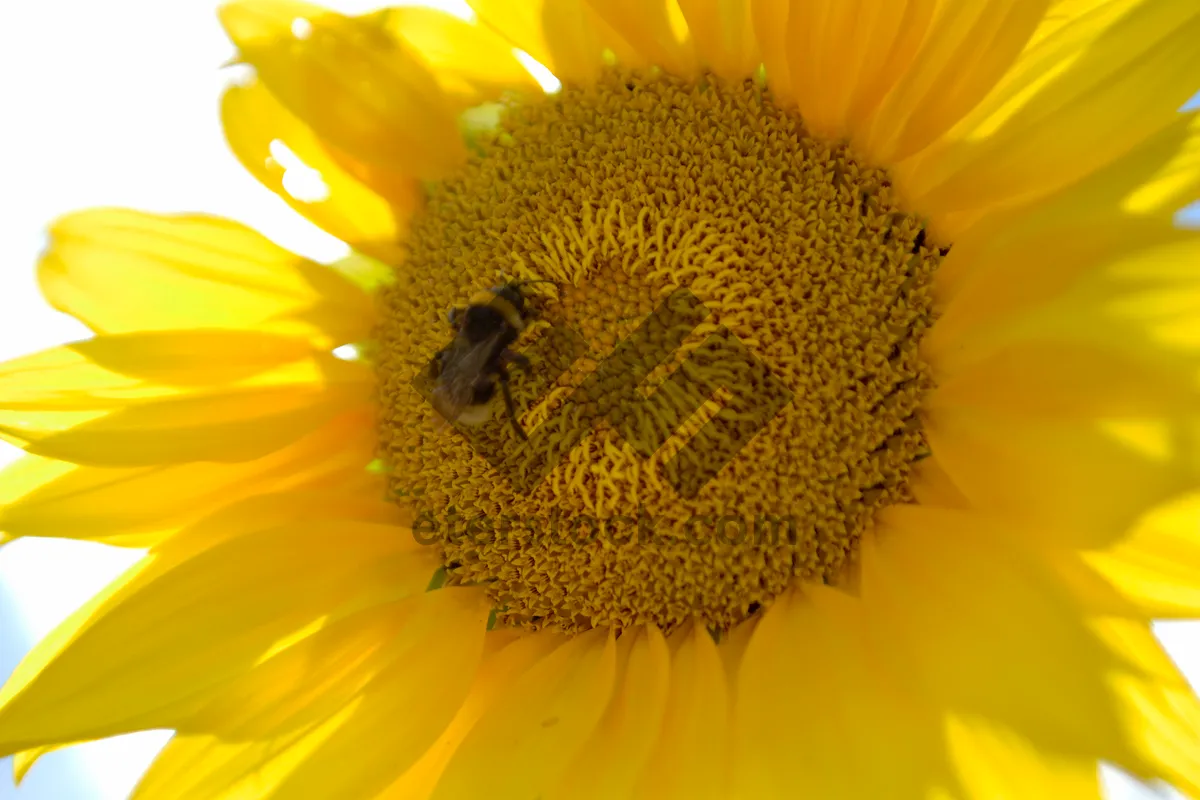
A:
(116, 103)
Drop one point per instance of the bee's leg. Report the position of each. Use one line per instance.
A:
(509, 357)
(509, 406)
(454, 317)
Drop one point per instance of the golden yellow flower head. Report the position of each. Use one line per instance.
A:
(622, 195)
(800, 401)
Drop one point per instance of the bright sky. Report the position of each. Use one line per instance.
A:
(115, 103)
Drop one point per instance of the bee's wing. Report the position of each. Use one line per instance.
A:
(463, 367)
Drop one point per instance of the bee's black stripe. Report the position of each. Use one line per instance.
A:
(507, 310)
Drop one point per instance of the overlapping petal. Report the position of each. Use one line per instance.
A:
(568, 36)
(723, 33)
(967, 49)
(120, 271)
(471, 63)
(279, 150)
(206, 766)
(992, 762)
(437, 651)
(1159, 706)
(770, 18)
(1105, 473)
(1009, 263)
(198, 613)
(1066, 352)
(1157, 566)
(619, 751)
(811, 658)
(931, 571)
(693, 756)
(507, 656)
(139, 506)
(523, 744)
(360, 504)
(314, 678)
(931, 486)
(655, 29)
(1080, 98)
(116, 401)
(837, 78)
(361, 91)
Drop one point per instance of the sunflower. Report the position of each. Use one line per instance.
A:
(858, 445)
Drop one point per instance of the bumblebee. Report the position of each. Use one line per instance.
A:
(467, 373)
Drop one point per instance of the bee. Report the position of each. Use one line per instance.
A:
(467, 373)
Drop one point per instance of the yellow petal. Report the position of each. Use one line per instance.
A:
(504, 660)
(257, 513)
(1160, 708)
(410, 702)
(1158, 565)
(471, 63)
(204, 766)
(1102, 474)
(980, 627)
(1130, 313)
(520, 23)
(183, 358)
(724, 36)
(1154, 298)
(62, 404)
(754, 733)
(23, 761)
(262, 511)
(1036, 296)
(992, 762)
(654, 28)
(931, 486)
(362, 503)
(523, 744)
(814, 700)
(138, 506)
(624, 53)
(845, 55)
(1053, 377)
(1028, 255)
(313, 678)
(567, 36)
(1176, 182)
(152, 653)
(969, 47)
(111, 370)
(572, 29)
(770, 18)
(278, 149)
(355, 87)
(118, 271)
(732, 647)
(1061, 13)
(1090, 588)
(610, 763)
(1087, 95)
(691, 759)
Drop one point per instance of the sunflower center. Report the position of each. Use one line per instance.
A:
(723, 371)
